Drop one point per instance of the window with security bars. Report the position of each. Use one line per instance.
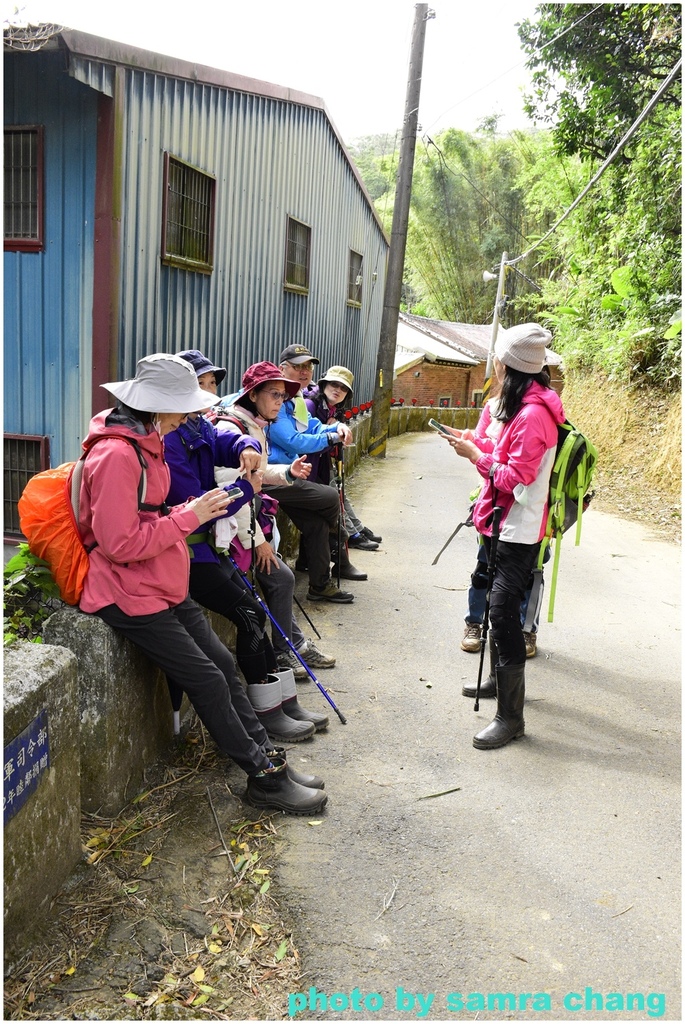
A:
(354, 279)
(298, 247)
(23, 188)
(24, 456)
(188, 216)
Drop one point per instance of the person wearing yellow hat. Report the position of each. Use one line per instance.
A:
(327, 401)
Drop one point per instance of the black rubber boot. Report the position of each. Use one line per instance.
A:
(274, 789)
(347, 570)
(310, 781)
(508, 722)
(266, 700)
(488, 688)
(292, 708)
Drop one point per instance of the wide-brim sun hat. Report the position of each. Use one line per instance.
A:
(338, 375)
(523, 347)
(265, 373)
(163, 383)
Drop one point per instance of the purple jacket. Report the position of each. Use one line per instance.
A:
(318, 407)
(192, 453)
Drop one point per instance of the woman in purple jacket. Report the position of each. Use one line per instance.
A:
(516, 464)
(137, 580)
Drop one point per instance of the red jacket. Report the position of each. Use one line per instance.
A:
(140, 562)
(520, 461)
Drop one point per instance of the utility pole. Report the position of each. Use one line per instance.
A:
(385, 361)
(495, 324)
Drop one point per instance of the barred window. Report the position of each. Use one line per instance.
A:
(23, 184)
(354, 279)
(187, 216)
(24, 456)
(298, 247)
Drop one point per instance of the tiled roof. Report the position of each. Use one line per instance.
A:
(470, 339)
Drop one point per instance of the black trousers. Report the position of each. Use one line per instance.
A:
(181, 642)
(218, 586)
(513, 566)
(314, 509)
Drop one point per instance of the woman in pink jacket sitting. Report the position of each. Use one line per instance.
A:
(138, 575)
(515, 461)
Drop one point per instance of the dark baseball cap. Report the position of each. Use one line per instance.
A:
(297, 354)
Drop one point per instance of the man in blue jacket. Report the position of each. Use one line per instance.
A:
(313, 508)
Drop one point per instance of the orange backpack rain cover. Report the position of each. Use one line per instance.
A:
(47, 521)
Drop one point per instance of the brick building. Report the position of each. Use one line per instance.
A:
(445, 362)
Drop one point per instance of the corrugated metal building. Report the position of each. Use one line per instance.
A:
(158, 205)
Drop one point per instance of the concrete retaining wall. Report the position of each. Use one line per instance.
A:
(42, 842)
(405, 418)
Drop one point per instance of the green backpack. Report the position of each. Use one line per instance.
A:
(569, 494)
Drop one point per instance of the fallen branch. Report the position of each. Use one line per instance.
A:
(221, 835)
(444, 792)
(387, 900)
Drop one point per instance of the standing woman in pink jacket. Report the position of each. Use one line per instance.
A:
(139, 568)
(516, 468)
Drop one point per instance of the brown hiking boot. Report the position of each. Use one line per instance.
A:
(472, 635)
(531, 640)
(329, 592)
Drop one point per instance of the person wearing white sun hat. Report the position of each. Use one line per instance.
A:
(137, 581)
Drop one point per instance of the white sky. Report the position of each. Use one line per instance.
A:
(354, 56)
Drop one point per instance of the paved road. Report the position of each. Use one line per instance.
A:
(554, 869)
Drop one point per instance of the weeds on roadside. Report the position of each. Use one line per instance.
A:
(30, 597)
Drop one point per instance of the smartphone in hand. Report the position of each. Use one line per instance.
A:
(448, 431)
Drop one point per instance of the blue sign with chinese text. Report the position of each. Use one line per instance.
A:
(26, 759)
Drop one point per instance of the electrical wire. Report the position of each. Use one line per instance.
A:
(514, 67)
(609, 160)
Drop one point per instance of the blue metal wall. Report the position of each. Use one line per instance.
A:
(48, 296)
(271, 160)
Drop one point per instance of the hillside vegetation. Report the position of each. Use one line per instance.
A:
(637, 432)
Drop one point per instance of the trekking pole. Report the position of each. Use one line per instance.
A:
(290, 644)
(341, 499)
(176, 695)
(496, 516)
(307, 617)
(253, 531)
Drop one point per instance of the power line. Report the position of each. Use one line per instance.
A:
(514, 68)
(444, 163)
(609, 160)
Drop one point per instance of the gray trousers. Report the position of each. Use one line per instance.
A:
(278, 588)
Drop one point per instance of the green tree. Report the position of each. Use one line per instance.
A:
(596, 66)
